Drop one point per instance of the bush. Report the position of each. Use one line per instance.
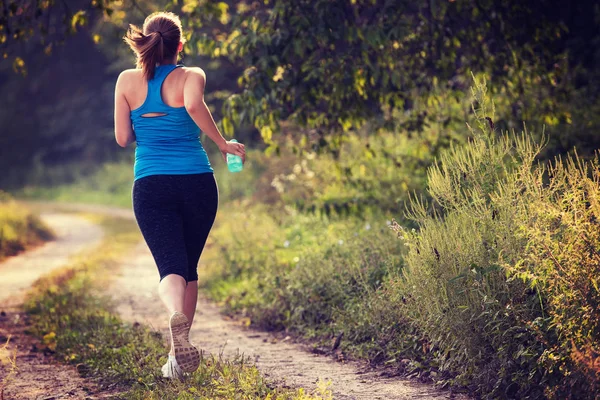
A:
(496, 290)
(561, 260)
(502, 274)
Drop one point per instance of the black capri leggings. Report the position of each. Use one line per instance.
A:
(175, 214)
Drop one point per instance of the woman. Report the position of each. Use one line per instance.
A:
(160, 106)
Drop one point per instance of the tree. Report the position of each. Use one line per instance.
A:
(330, 65)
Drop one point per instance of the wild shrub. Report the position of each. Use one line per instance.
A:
(372, 170)
(561, 261)
(502, 271)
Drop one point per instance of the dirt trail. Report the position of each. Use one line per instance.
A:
(38, 376)
(73, 235)
(135, 290)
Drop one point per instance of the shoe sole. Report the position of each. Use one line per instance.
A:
(186, 355)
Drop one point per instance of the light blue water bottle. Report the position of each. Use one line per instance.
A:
(234, 163)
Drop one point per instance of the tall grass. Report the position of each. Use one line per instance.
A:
(502, 274)
(19, 227)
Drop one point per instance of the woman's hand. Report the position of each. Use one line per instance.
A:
(237, 149)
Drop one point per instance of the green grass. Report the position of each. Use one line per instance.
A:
(109, 185)
(20, 229)
(75, 320)
(316, 278)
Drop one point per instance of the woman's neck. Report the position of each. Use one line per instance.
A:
(172, 62)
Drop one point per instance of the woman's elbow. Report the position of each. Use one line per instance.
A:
(193, 107)
(122, 140)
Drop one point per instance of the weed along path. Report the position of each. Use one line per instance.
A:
(286, 364)
(25, 372)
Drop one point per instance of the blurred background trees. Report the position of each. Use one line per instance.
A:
(325, 68)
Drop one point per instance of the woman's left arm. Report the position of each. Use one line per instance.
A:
(123, 128)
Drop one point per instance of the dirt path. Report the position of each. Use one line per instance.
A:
(38, 376)
(134, 290)
(284, 363)
(74, 234)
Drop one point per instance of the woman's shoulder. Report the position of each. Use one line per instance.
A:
(130, 73)
(194, 71)
(128, 79)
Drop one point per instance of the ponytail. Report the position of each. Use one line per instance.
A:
(156, 43)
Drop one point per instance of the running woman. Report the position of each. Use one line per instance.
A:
(160, 106)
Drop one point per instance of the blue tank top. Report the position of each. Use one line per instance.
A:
(168, 144)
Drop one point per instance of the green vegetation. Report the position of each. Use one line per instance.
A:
(75, 320)
(503, 277)
(492, 288)
(496, 289)
(307, 275)
(332, 66)
(110, 184)
(19, 228)
(361, 106)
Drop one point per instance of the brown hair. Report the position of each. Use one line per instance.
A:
(156, 42)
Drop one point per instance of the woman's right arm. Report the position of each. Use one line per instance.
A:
(193, 97)
(124, 133)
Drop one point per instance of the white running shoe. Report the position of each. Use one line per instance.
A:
(171, 370)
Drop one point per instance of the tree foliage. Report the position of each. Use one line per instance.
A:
(327, 67)
(332, 65)
(46, 23)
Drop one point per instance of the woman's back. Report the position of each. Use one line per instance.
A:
(160, 105)
(171, 90)
(167, 137)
